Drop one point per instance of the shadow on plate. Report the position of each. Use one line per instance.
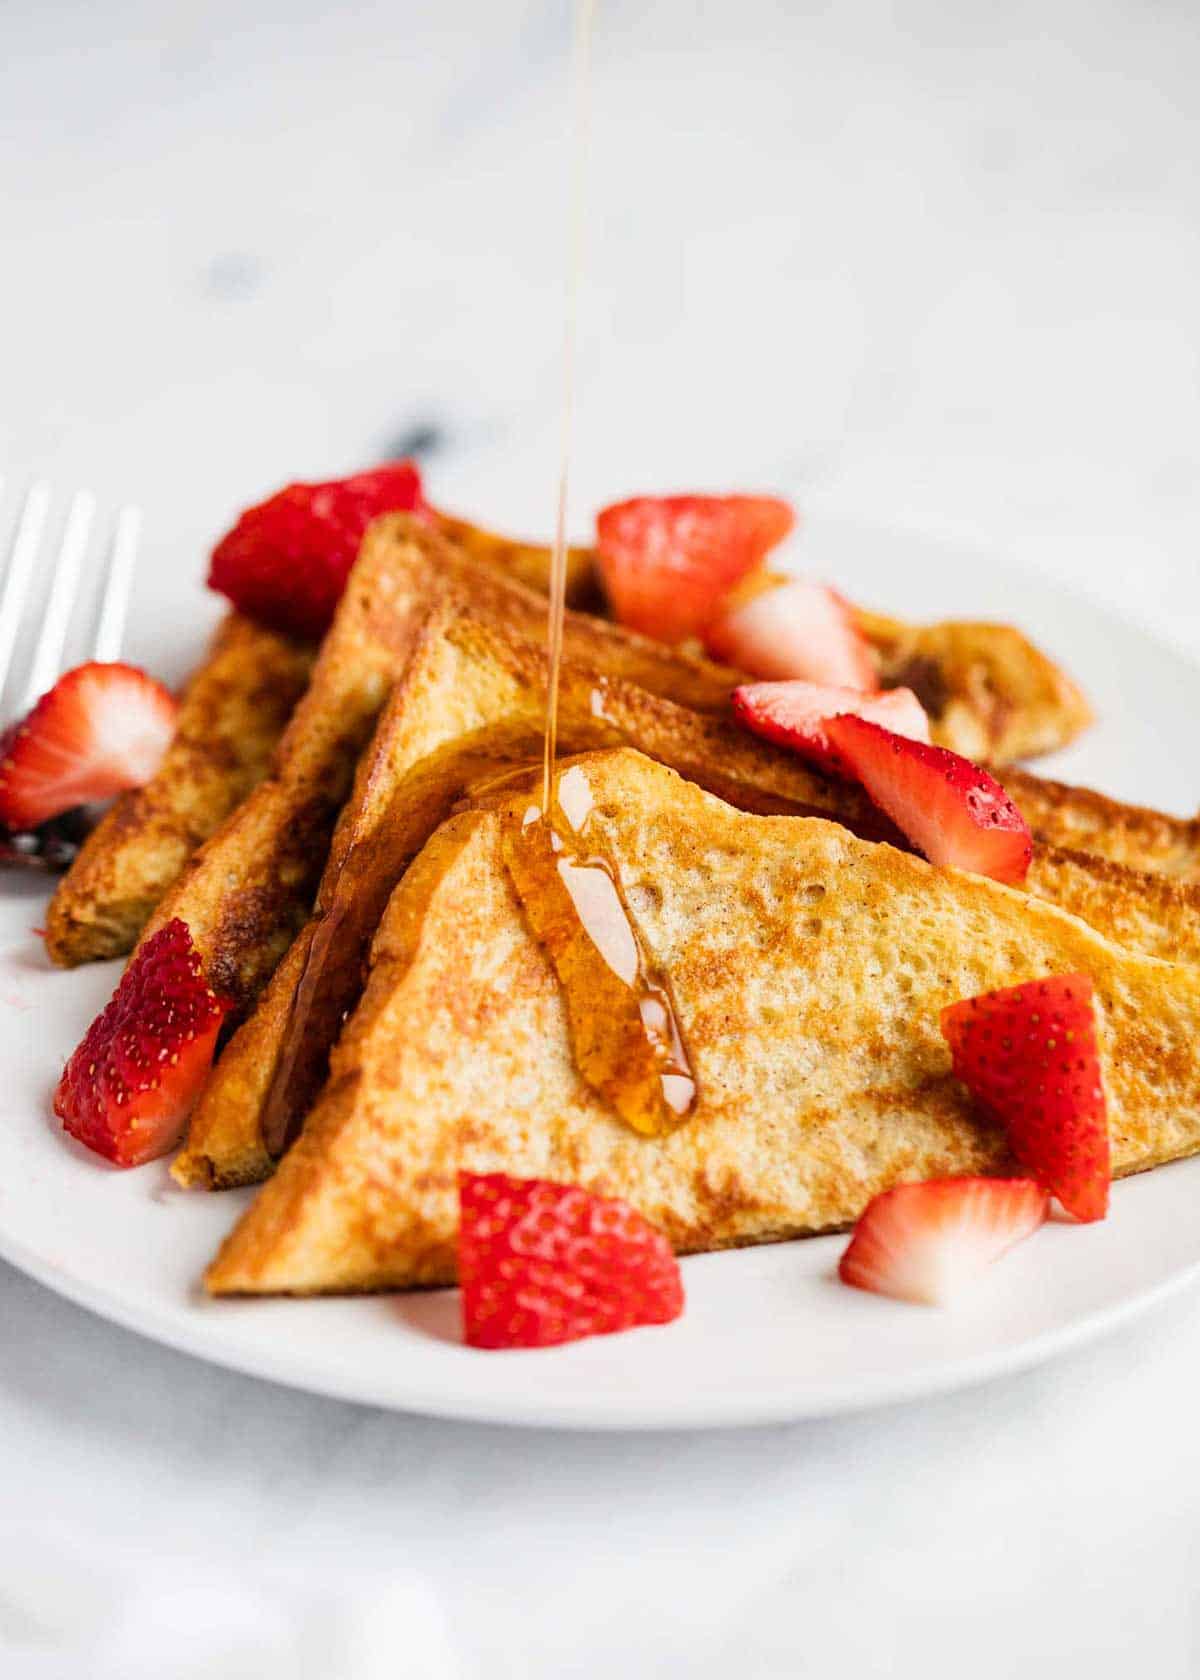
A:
(434, 1313)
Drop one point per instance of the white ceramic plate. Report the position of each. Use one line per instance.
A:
(768, 1333)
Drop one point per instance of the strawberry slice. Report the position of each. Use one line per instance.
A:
(129, 1088)
(544, 1263)
(794, 714)
(1028, 1056)
(798, 628)
(286, 560)
(100, 729)
(666, 561)
(951, 810)
(927, 1242)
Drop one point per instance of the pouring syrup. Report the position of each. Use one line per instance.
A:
(624, 1030)
(625, 1034)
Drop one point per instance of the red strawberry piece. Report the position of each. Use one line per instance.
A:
(951, 810)
(129, 1088)
(928, 1242)
(666, 561)
(797, 629)
(100, 729)
(286, 560)
(1028, 1056)
(794, 714)
(544, 1263)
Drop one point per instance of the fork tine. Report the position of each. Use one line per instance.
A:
(20, 570)
(47, 659)
(119, 584)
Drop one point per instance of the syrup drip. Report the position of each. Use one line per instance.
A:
(498, 782)
(625, 1034)
(580, 60)
(624, 1031)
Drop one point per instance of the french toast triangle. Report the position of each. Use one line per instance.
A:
(808, 969)
(232, 713)
(472, 700)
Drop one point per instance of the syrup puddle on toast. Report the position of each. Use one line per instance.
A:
(625, 1034)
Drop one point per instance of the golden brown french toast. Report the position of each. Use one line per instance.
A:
(232, 713)
(1146, 912)
(473, 697)
(249, 889)
(1087, 821)
(470, 702)
(990, 693)
(808, 969)
(527, 563)
(235, 708)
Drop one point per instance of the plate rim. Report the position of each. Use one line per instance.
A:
(728, 1409)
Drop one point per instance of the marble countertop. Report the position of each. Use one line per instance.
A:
(929, 265)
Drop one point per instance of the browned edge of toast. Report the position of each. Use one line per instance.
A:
(232, 713)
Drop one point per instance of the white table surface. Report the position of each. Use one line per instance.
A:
(930, 264)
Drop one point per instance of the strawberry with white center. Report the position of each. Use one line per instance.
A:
(951, 810)
(1028, 1056)
(542, 1263)
(794, 628)
(795, 714)
(667, 561)
(929, 1242)
(129, 1088)
(99, 730)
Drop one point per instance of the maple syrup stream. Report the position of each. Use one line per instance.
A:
(625, 1035)
(581, 49)
(624, 1031)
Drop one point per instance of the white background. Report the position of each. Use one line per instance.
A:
(928, 264)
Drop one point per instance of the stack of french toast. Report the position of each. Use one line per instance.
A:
(331, 827)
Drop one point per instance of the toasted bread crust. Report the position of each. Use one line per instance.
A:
(1083, 820)
(232, 714)
(1142, 911)
(246, 893)
(808, 970)
(526, 563)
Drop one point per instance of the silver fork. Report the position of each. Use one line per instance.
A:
(65, 574)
